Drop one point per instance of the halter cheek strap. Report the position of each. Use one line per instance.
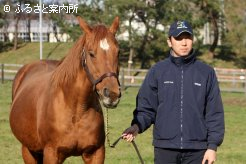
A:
(93, 81)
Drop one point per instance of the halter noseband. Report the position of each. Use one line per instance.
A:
(93, 81)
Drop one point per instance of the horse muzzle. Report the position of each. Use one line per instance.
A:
(110, 99)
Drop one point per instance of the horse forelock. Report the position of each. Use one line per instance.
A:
(99, 33)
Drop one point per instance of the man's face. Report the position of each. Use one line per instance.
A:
(181, 45)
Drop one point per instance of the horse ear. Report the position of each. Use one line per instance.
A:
(84, 26)
(115, 25)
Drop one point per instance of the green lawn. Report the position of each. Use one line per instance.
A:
(231, 152)
(30, 52)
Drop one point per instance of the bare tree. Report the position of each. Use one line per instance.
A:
(17, 17)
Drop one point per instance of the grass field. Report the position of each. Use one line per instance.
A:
(30, 52)
(231, 152)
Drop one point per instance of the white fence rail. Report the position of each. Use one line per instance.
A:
(8, 71)
(231, 80)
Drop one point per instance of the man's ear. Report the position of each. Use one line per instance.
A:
(169, 42)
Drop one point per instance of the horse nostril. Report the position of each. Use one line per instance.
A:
(106, 92)
(120, 95)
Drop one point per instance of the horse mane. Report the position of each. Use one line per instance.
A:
(67, 70)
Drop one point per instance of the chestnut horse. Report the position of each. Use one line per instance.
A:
(56, 111)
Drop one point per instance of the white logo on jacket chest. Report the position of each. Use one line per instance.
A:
(198, 84)
(168, 82)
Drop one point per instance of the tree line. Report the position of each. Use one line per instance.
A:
(146, 43)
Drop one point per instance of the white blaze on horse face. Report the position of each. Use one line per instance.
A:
(104, 44)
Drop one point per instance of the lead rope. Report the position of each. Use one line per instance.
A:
(115, 143)
(107, 131)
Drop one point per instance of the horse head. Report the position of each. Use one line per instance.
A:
(100, 61)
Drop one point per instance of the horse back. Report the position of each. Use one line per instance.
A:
(30, 70)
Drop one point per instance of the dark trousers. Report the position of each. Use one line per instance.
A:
(178, 156)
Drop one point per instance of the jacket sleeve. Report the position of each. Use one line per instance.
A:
(146, 102)
(214, 113)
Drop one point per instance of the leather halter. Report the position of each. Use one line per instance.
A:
(93, 81)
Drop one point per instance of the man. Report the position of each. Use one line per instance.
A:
(181, 97)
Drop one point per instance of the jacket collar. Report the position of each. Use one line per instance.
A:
(185, 60)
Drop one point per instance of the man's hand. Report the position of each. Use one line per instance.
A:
(130, 133)
(209, 157)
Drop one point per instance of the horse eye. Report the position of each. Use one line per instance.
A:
(92, 54)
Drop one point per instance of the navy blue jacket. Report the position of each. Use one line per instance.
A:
(181, 97)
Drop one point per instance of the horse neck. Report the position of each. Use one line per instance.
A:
(70, 72)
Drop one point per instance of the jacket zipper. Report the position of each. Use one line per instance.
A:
(181, 107)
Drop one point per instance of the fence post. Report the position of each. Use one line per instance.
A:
(245, 83)
(234, 80)
(123, 79)
(2, 72)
